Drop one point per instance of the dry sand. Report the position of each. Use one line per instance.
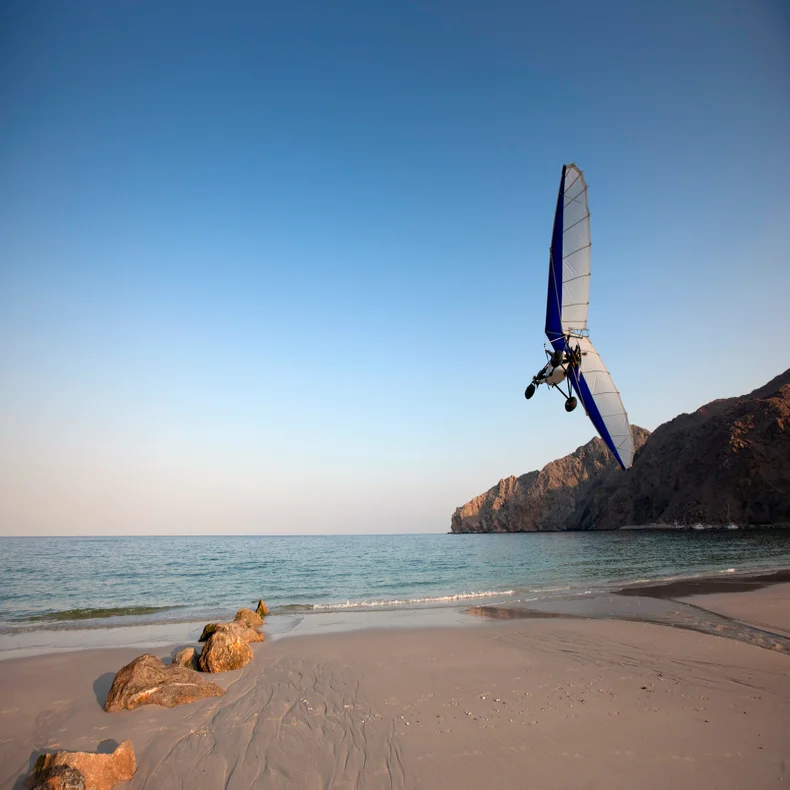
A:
(543, 703)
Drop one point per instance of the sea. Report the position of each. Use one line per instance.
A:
(71, 593)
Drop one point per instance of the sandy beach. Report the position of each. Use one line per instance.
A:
(547, 702)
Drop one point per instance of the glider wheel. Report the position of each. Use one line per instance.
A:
(529, 391)
(570, 404)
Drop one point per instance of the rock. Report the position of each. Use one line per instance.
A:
(84, 770)
(252, 636)
(208, 630)
(147, 681)
(248, 617)
(58, 777)
(249, 634)
(727, 462)
(228, 647)
(246, 633)
(186, 657)
(262, 609)
(544, 500)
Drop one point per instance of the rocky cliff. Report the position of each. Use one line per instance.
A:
(729, 460)
(546, 500)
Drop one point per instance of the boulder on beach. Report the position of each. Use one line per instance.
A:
(208, 630)
(228, 647)
(262, 609)
(186, 657)
(248, 617)
(83, 770)
(59, 777)
(252, 636)
(147, 681)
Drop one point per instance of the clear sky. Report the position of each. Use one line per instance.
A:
(281, 267)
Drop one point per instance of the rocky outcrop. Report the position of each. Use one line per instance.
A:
(208, 630)
(246, 617)
(546, 500)
(249, 618)
(262, 609)
(84, 770)
(186, 657)
(59, 777)
(147, 681)
(228, 647)
(728, 461)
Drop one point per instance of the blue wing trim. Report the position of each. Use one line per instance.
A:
(585, 396)
(554, 295)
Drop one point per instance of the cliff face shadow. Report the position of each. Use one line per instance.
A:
(101, 687)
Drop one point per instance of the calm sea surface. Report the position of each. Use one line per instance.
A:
(77, 583)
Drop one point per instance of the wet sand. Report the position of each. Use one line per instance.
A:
(762, 604)
(765, 608)
(546, 701)
(708, 585)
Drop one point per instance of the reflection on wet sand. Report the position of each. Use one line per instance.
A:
(682, 588)
(653, 604)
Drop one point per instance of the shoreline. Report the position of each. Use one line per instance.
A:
(36, 641)
(709, 584)
(569, 701)
(91, 598)
(698, 526)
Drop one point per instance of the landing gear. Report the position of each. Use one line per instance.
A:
(560, 372)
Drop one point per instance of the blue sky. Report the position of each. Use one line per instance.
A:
(281, 268)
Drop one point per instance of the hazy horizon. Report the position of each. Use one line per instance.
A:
(282, 270)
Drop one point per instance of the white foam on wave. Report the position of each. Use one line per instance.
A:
(406, 601)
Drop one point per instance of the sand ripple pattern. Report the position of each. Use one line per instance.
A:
(295, 707)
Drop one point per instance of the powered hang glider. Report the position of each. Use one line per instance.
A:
(574, 360)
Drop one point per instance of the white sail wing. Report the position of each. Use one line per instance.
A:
(575, 252)
(602, 402)
(567, 304)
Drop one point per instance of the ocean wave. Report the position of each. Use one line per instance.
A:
(292, 608)
(407, 601)
(95, 614)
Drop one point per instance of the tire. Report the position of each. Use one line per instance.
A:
(556, 359)
(570, 404)
(529, 391)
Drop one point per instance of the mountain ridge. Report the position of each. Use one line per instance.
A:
(727, 461)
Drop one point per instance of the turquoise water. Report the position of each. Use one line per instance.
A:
(88, 583)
